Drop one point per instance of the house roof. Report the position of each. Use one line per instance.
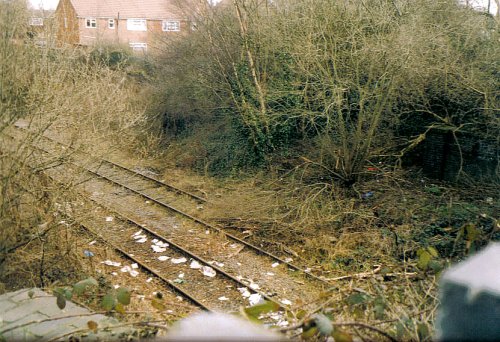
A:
(125, 9)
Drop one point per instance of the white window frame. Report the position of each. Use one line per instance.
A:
(137, 25)
(138, 46)
(111, 24)
(36, 21)
(170, 25)
(91, 23)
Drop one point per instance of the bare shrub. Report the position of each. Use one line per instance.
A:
(343, 78)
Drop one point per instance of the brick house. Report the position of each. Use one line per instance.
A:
(135, 23)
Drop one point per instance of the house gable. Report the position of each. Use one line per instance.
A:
(131, 22)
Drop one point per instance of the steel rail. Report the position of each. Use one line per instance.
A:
(182, 250)
(175, 246)
(167, 282)
(123, 167)
(201, 222)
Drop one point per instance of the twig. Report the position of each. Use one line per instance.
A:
(107, 328)
(64, 317)
(366, 326)
(357, 275)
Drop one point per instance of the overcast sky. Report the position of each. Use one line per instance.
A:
(51, 4)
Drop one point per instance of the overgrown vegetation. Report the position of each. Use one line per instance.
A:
(319, 95)
(88, 94)
(349, 82)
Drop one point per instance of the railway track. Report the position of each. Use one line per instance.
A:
(106, 169)
(120, 232)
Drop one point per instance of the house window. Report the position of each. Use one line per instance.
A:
(36, 21)
(90, 23)
(111, 24)
(171, 25)
(139, 46)
(137, 25)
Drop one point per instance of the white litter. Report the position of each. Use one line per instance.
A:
(149, 280)
(137, 233)
(207, 232)
(208, 271)
(244, 292)
(116, 286)
(163, 258)
(307, 270)
(234, 245)
(276, 264)
(285, 302)
(141, 297)
(254, 299)
(288, 260)
(92, 243)
(109, 219)
(254, 286)
(154, 240)
(179, 298)
(161, 244)
(142, 240)
(216, 263)
(114, 273)
(134, 273)
(195, 265)
(223, 298)
(111, 263)
(126, 269)
(181, 275)
(271, 274)
(178, 261)
(134, 266)
(157, 249)
(140, 236)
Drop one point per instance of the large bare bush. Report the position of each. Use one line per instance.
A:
(342, 73)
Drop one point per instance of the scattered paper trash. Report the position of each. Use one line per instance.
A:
(208, 271)
(195, 265)
(271, 274)
(92, 243)
(255, 299)
(181, 275)
(116, 286)
(142, 240)
(285, 302)
(109, 219)
(149, 280)
(111, 263)
(216, 263)
(178, 260)
(276, 264)
(158, 249)
(88, 254)
(133, 273)
(288, 260)
(163, 258)
(254, 286)
(244, 292)
(134, 266)
(223, 298)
